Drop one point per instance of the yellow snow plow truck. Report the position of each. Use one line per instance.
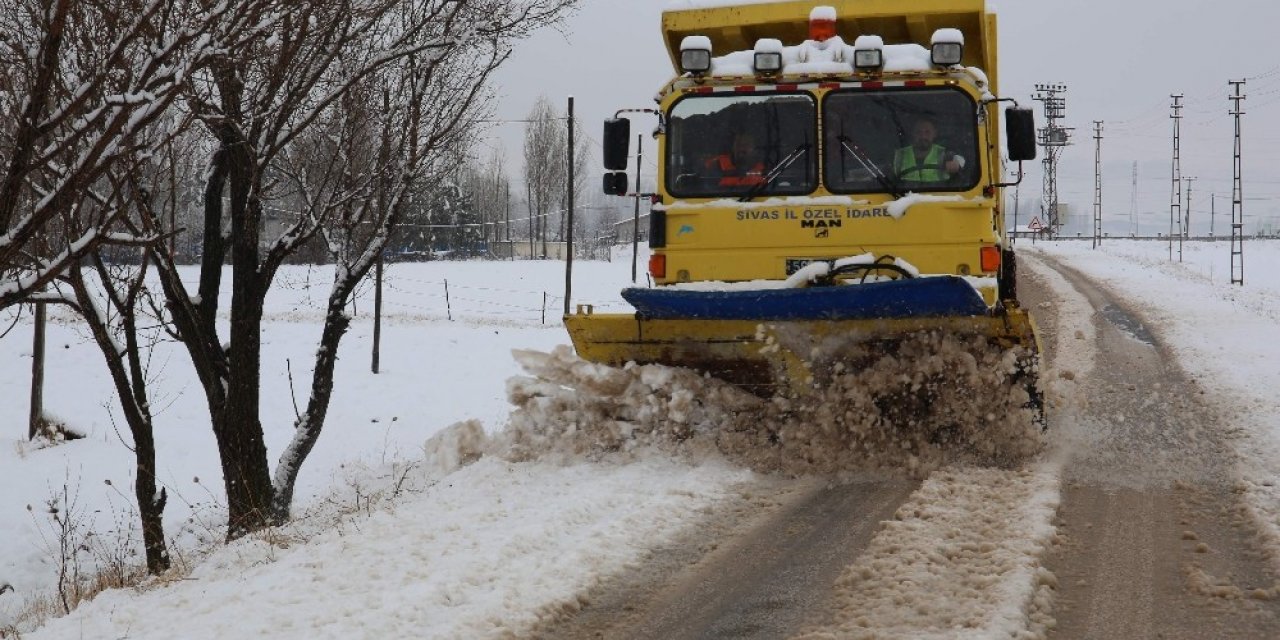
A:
(829, 175)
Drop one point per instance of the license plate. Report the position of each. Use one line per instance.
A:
(796, 264)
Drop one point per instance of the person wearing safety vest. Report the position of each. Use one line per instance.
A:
(923, 161)
(741, 165)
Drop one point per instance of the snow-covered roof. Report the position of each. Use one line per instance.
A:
(831, 56)
(680, 5)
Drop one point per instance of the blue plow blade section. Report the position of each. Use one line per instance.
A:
(943, 296)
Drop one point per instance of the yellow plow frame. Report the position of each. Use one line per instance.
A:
(764, 356)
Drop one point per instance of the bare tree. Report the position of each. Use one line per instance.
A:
(545, 169)
(325, 65)
(492, 188)
(546, 166)
(87, 87)
(423, 118)
(78, 81)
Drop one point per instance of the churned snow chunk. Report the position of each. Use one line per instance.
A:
(947, 36)
(695, 42)
(823, 13)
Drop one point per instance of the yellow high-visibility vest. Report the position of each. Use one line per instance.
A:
(905, 167)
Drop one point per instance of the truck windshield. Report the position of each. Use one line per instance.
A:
(896, 141)
(742, 145)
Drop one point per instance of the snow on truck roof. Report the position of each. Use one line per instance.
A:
(734, 27)
(832, 56)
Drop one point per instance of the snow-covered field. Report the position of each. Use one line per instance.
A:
(434, 372)
(398, 537)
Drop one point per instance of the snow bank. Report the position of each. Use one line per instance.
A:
(434, 373)
(488, 551)
(1072, 318)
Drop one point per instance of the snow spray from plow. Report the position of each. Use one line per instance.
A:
(935, 398)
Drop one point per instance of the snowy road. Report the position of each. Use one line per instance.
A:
(1155, 542)
(764, 579)
(1149, 540)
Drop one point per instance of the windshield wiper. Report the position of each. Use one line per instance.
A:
(775, 171)
(890, 185)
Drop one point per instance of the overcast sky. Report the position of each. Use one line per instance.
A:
(1120, 59)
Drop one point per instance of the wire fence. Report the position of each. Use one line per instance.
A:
(468, 294)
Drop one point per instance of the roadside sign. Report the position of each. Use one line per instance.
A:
(1035, 225)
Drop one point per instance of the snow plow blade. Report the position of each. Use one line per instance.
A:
(767, 341)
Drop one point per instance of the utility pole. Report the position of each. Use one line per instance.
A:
(1054, 138)
(1186, 214)
(568, 247)
(377, 313)
(1133, 203)
(1014, 239)
(1175, 197)
(1213, 201)
(511, 249)
(35, 424)
(1237, 197)
(635, 220)
(1097, 183)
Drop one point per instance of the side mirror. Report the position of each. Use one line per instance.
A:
(1020, 131)
(617, 135)
(615, 183)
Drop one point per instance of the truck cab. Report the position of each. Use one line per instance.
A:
(796, 134)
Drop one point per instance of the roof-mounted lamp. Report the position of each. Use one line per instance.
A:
(695, 54)
(947, 47)
(822, 24)
(768, 56)
(868, 53)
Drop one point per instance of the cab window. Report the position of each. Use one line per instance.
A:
(736, 144)
(899, 141)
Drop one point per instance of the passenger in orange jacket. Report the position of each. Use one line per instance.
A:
(741, 165)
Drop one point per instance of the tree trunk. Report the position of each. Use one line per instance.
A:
(150, 502)
(131, 388)
(307, 428)
(246, 474)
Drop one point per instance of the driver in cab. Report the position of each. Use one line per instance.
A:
(924, 161)
(742, 165)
